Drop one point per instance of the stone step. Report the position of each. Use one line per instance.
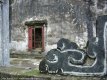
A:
(32, 55)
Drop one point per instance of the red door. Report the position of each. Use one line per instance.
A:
(30, 38)
(43, 48)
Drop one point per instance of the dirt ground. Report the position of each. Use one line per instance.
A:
(29, 67)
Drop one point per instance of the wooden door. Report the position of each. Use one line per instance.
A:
(30, 38)
(43, 46)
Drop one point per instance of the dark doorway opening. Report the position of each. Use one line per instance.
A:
(37, 38)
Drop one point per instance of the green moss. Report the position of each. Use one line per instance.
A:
(33, 72)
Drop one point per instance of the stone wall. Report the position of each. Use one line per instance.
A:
(71, 19)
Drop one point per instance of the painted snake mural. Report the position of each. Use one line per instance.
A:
(69, 59)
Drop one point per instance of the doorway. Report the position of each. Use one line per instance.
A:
(36, 33)
(36, 38)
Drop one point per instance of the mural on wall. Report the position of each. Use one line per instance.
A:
(68, 58)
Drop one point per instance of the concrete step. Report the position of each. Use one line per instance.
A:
(31, 55)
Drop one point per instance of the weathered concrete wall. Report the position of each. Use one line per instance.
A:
(70, 19)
